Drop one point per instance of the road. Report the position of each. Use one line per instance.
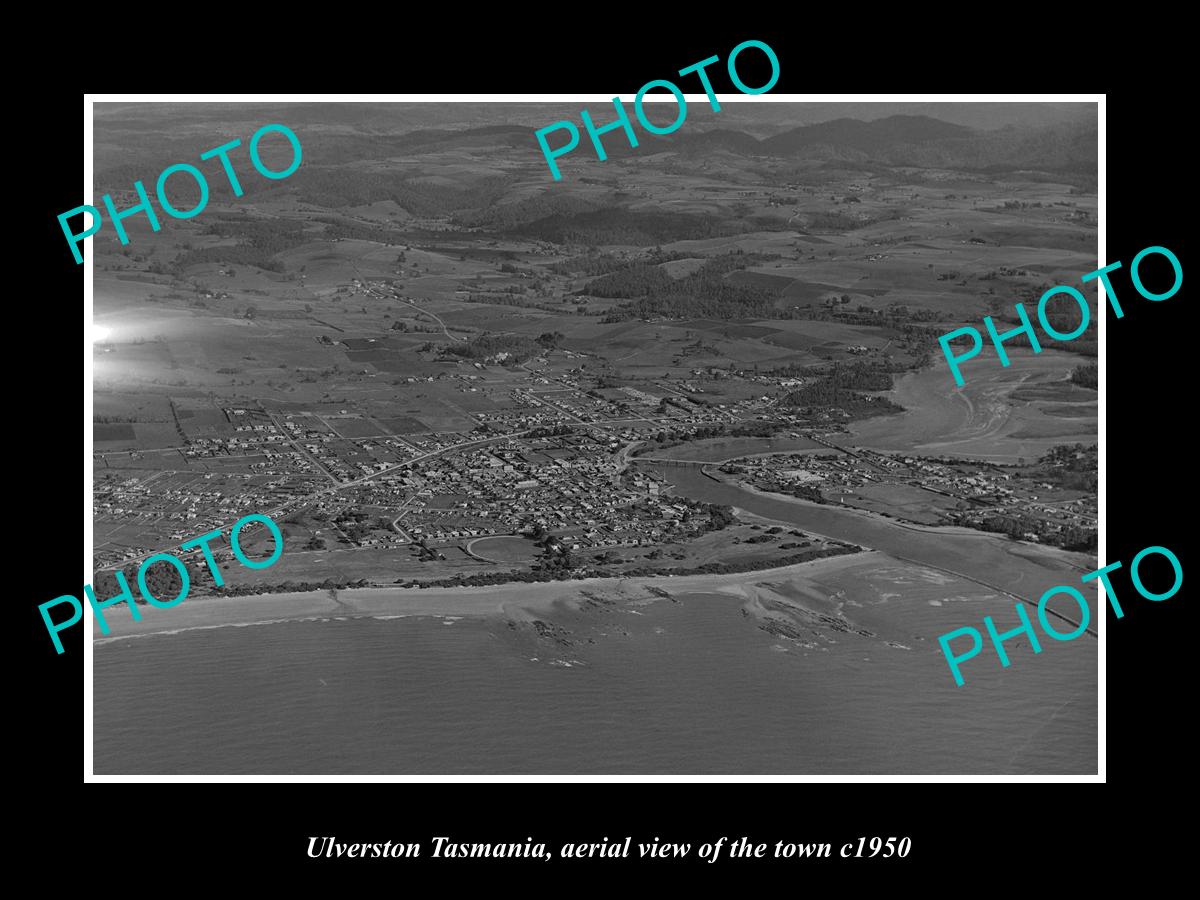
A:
(297, 504)
(403, 512)
(372, 293)
(286, 432)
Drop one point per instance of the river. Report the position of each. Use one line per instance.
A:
(606, 683)
(1017, 567)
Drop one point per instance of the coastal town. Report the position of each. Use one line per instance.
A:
(468, 395)
(555, 459)
(655, 468)
(553, 451)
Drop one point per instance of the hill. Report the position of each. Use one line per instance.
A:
(871, 138)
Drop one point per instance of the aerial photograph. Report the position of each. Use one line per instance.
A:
(654, 469)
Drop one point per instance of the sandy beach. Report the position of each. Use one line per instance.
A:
(517, 600)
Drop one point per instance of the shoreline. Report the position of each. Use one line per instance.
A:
(516, 599)
(956, 530)
(712, 470)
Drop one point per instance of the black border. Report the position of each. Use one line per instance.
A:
(953, 826)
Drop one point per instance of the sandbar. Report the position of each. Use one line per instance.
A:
(518, 600)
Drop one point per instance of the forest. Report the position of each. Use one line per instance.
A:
(509, 349)
(337, 188)
(509, 216)
(1086, 375)
(703, 294)
(605, 263)
(839, 387)
(260, 240)
(858, 375)
(623, 226)
(1063, 318)
(1070, 466)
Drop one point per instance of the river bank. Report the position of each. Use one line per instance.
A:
(1018, 568)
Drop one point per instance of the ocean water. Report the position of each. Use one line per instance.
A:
(662, 687)
(704, 683)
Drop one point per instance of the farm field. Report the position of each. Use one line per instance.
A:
(657, 467)
(899, 501)
(428, 332)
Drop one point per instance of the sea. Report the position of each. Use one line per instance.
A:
(694, 683)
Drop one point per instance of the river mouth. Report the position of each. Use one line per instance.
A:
(1014, 568)
(829, 667)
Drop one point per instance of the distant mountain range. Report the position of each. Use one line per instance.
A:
(919, 141)
(865, 137)
(900, 140)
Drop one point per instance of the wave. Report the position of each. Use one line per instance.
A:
(96, 642)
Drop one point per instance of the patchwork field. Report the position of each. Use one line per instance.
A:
(325, 343)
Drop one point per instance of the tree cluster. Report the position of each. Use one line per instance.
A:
(704, 293)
